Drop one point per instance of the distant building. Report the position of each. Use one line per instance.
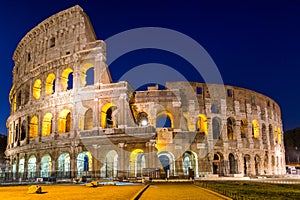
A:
(68, 119)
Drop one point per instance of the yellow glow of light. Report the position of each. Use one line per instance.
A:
(279, 136)
(65, 78)
(37, 89)
(34, 127)
(62, 121)
(103, 113)
(49, 84)
(202, 124)
(133, 157)
(47, 124)
(255, 126)
(83, 71)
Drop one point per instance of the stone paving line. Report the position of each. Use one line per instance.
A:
(179, 191)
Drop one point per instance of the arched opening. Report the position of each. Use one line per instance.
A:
(247, 165)
(230, 128)
(271, 136)
(279, 138)
(110, 165)
(232, 164)
(108, 116)
(46, 166)
(34, 127)
(244, 128)
(26, 94)
(64, 121)
(216, 126)
(264, 135)
(273, 164)
(88, 119)
(255, 129)
(19, 99)
(257, 164)
(36, 91)
(201, 125)
(50, 84)
(142, 119)
(63, 165)
(266, 163)
(67, 79)
(190, 164)
(137, 163)
(218, 164)
(21, 167)
(23, 130)
(87, 75)
(167, 161)
(31, 167)
(47, 124)
(164, 119)
(84, 163)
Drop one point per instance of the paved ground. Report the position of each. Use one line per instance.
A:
(178, 191)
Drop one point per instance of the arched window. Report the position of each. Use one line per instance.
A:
(271, 136)
(67, 79)
(84, 163)
(255, 129)
(90, 76)
(264, 134)
(34, 127)
(64, 165)
(201, 125)
(64, 121)
(50, 84)
(232, 164)
(279, 139)
(23, 130)
(87, 75)
(47, 124)
(216, 126)
(230, 128)
(244, 128)
(37, 89)
(31, 167)
(46, 165)
(110, 167)
(88, 119)
(108, 116)
(142, 119)
(19, 99)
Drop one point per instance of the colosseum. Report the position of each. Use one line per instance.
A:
(69, 120)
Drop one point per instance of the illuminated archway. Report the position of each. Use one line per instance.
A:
(67, 79)
(21, 166)
(50, 84)
(87, 74)
(46, 166)
(31, 167)
(244, 128)
(63, 165)
(110, 165)
(33, 127)
(47, 124)
(88, 119)
(64, 121)
(164, 119)
(201, 125)
(230, 128)
(279, 139)
(255, 129)
(167, 161)
(190, 164)
(107, 118)
(84, 163)
(137, 163)
(36, 91)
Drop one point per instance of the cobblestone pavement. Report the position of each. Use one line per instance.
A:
(179, 191)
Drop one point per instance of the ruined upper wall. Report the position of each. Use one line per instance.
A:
(61, 34)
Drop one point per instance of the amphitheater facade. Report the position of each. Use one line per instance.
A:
(69, 120)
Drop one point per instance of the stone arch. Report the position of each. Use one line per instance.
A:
(64, 121)
(233, 164)
(23, 130)
(63, 165)
(266, 163)
(108, 119)
(50, 84)
(273, 163)
(247, 166)
(47, 124)
(216, 128)
(31, 167)
(201, 124)
(110, 165)
(231, 128)
(142, 119)
(36, 91)
(84, 163)
(264, 135)
(137, 163)
(88, 119)
(218, 164)
(67, 79)
(279, 137)
(164, 119)
(271, 136)
(255, 129)
(46, 165)
(34, 127)
(87, 74)
(244, 128)
(167, 161)
(190, 164)
(257, 164)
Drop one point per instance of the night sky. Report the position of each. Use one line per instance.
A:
(255, 44)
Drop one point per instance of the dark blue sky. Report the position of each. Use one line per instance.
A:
(255, 44)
